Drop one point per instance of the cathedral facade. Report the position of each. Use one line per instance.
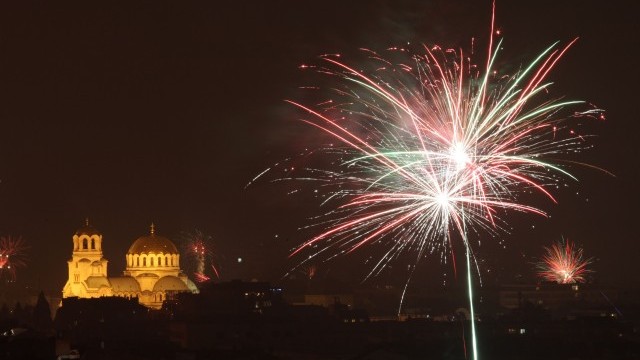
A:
(152, 271)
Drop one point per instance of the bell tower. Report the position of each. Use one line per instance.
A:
(86, 261)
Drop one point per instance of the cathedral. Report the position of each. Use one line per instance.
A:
(152, 271)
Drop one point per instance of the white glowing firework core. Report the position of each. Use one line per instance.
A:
(460, 156)
(442, 199)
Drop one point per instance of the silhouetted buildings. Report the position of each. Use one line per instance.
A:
(239, 319)
(26, 332)
(109, 327)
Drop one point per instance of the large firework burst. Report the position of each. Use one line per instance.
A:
(433, 144)
(564, 263)
(434, 147)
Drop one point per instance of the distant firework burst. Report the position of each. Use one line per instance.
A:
(309, 271)
(432, 147)
(12, 255)
(564, 263)
(199, 249)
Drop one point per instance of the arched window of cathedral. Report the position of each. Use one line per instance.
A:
(144, 261)
(167, 260)
(153, 260)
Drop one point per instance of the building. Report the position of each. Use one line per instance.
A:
(152, 274)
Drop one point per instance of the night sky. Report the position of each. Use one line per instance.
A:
(136, 112)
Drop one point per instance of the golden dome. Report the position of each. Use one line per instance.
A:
(170, 283)
(87, 229)
(152, 244)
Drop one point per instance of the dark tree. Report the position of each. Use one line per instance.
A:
(42, 314)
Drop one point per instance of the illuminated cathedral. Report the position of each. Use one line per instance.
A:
(152, 273)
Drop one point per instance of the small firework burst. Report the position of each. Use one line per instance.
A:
(309, 271)
(564, 263)
(200, 251)
(12, 255)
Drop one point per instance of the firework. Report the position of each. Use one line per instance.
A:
(563, 263)
(434, 148)
(199, 249)
(309, 272)
(12, 255)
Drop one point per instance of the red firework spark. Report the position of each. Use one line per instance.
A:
(199, 249)
(563, 263)
(12, 255)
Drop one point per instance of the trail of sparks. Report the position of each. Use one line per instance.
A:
(563, 263)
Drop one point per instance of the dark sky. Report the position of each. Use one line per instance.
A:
(133, 112)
